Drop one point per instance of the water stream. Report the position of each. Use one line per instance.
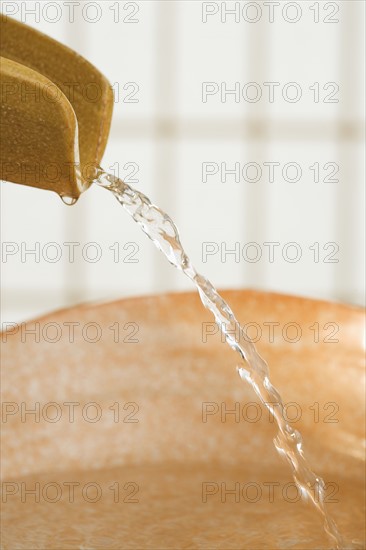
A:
(252, 368)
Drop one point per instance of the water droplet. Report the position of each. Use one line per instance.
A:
(69, 201)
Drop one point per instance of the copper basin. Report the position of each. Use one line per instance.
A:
(126, 426)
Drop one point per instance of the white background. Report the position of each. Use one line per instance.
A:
(167, 50)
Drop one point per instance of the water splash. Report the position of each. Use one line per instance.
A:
(160, 228)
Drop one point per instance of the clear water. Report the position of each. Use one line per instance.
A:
(69, 201)
(252, 368)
